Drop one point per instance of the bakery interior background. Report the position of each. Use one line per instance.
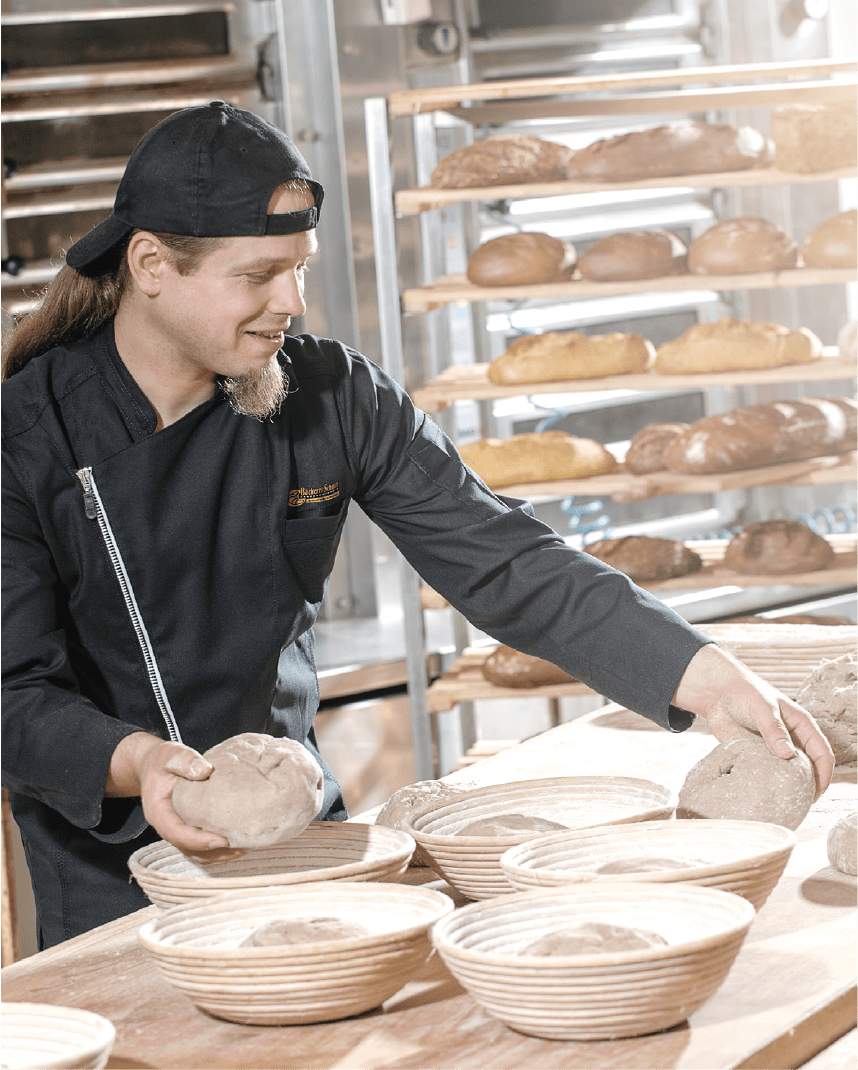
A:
(83, 82)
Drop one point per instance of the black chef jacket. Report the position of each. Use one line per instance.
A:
(169, 583)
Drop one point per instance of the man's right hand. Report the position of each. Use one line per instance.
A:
(144, 765)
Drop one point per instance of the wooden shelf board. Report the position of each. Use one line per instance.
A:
(719, 98)
(449, 289)
(434, 98)
(425, 198)
(470, 382)
(785, 661)
(622, 486)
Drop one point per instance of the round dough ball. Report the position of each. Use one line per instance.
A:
(303, 931)
(742, 780)
(510, 825)
(830, 695)
(745, 244)
(262, 790)
(521, 259)
(415, 799)
(594, 938)
(843, 844)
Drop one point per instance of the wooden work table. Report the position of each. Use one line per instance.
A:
(790, 993)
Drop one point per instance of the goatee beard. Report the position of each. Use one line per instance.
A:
(258, 394)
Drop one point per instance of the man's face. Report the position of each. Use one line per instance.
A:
(229, 317)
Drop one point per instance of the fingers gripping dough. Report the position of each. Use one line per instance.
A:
(263, 790)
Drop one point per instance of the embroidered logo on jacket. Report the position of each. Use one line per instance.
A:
(314, 495)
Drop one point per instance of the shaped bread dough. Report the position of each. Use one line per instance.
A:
(830, 695)
(744, 781)
(510, 825)
(262, 790)
(415, 799)
(843, 844)
(303, 931)
(594, 938)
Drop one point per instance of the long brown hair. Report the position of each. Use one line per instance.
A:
(75, 306)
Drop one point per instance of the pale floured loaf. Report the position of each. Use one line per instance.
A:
(809, 138)
(674, 149)
(506, 667)
(742, 245)
(556, 355)
(833, 243)
(521, 259)
(535, 457)
(633, 254)
(771, 433)
(733, 344)
(498, 161)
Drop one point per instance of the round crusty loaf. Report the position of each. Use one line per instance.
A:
(809, 137)
(648, 447)
(521, 259)
(498, 161)
(742, 245)
(633, 254)
(742, 780)
(770, 433)
(262, 790)
(506, 667)
(774, 547)
(830, 695)
(675, 149)
(732, 344)
(537, 456)
(643, 558)
(556, 355)
(833, 243)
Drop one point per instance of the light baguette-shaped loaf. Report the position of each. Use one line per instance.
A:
(733, 344)
(557, 355)
(765, 434)
(536, 457)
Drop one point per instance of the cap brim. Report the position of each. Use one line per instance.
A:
(100, 241)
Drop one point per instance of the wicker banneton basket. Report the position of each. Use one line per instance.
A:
(595, 996)
(325, 850)
(40, 1036)
(745, 857)
(471, 864)
(196, 946)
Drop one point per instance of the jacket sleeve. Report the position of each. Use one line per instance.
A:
(508, 573)
(57, 744)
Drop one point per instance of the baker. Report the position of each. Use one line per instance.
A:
(177, 471)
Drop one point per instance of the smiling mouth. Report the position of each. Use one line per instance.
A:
(271, 336)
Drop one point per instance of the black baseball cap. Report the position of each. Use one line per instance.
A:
(207, 171)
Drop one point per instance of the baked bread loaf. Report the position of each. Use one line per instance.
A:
(776, 547)
(499, 161)
(535, 457)
(765, 434)
(814, 137)
(830, 696)
(633, 254)
(506, 667)
(833, 243)
(732, 344)
(649, 446)
(555, 355)
(742, 245)
(643, 558)
(847, 340)
(675, 149)
(521, 259)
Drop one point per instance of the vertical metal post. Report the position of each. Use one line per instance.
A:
(387, 281)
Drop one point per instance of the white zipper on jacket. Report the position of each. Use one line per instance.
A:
(95, 510)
